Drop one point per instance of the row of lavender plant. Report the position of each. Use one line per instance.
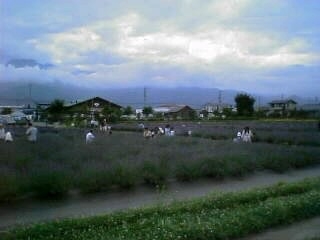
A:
(61, 161)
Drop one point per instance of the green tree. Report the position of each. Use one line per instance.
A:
(244, 104)
(128, 110)
(56, 110)
(193, 115)
(227, 111)
(6, 111)
(147, 110)
(112, 114)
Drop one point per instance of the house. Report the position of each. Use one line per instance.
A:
(43, 105)
(283, 105)
(175, 111)
(211, 109)
(19, 106)
(91, 107)
(216, 107)
(15, 117)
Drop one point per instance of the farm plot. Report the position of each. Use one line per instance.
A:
(278, 132)
(61, 161)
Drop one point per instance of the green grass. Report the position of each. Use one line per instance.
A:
(216, 216)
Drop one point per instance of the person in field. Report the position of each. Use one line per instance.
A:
(104, 126)
(172, 132)
(161, 131)
(246, 135)
(167, 130)
(238, 137)
(8, 137)
(2, 132)
(31, 133)
(147, 133)
(90, 137)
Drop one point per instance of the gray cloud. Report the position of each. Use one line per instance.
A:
(242, 44)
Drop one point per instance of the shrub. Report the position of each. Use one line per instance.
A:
(303, 160)
(92, 181)
(22, 162)
(276, 163)
(155, 173)
(124, 176)
(188, 171)
(9, 188)
(238, 166)
(47, 184)
(214, 168)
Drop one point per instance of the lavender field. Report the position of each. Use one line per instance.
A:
(61, 162)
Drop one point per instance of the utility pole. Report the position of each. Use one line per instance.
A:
(144, 96)
(30, 88)
(29, 100)
(219, 97)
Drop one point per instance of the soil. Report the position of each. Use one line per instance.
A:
(75, 206)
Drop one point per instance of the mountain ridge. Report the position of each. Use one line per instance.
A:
(131, 96)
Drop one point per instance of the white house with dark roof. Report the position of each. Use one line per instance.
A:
(216, 107)
(283, 105)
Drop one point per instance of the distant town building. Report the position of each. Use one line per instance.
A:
(90, 107)
(210, 110)
(20, 110)
(175, 111)
(283, 105)
(216, 107)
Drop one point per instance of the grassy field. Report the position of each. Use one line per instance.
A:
(216, 216)
(61, 161)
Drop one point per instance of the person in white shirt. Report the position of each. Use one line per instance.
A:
(246, 135)
(147, 133)
(8, 137)
(238, 138)
(172, 132)
(2, 132)
(32, 133)
(167, 130)
(89, 137)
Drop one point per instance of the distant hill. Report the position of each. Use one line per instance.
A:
(135, 97)
(21, 63)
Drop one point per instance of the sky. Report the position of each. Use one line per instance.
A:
(256, 46)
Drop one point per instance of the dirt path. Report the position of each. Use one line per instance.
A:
(79, 206)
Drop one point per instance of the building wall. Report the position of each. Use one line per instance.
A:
(184, 113)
